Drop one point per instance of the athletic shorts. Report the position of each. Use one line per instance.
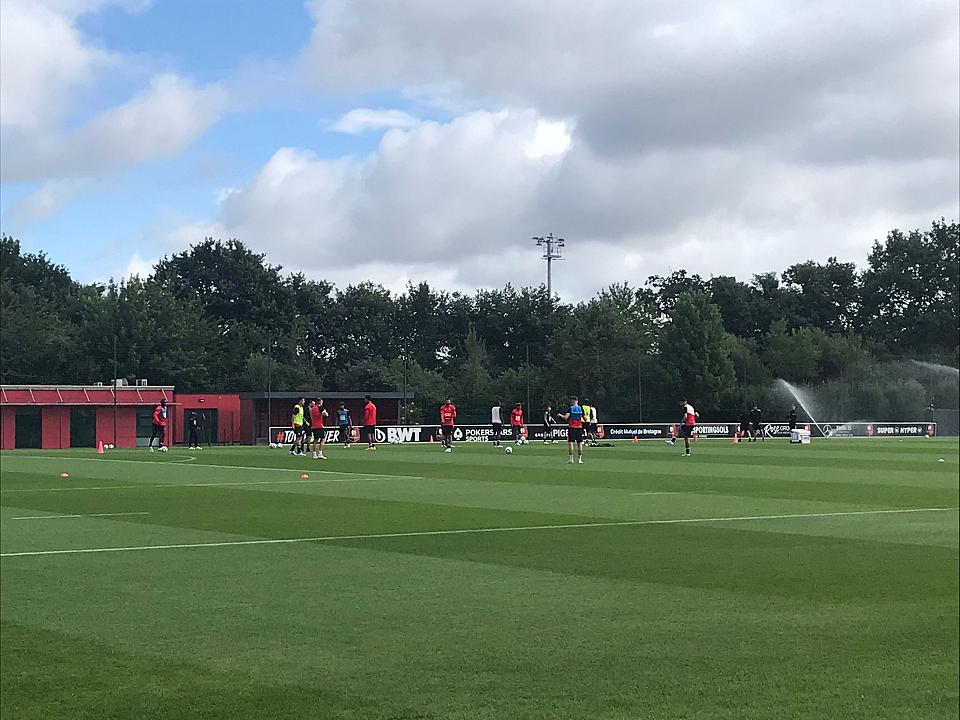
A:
(297, 430)
(447, 430)
(344, 433)
(497, 428)
(686, 431)
(368, 433)
(575, 434)
(318, 433)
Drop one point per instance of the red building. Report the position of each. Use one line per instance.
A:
(64, 416)
(218, 415)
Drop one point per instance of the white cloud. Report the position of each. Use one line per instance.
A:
(139, 267)
(46, 62)
(158, 122)
(47, 200)
(43, 60)
(361, 120)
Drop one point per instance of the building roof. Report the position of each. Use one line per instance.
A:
(339, 395)
(37, 395)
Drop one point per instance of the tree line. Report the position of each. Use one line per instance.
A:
(220, 317)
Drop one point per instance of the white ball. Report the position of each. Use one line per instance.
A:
(272, 445)
(508, 450)
(163, 449)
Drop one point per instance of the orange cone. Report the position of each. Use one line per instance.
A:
(635, 440)
(64, 475)
(99, 447)
(431, 438)
(736, 438)
(304, 476)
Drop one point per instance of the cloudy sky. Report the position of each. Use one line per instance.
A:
(396, 140)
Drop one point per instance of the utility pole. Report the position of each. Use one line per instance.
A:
(552, 251)
(269, 383)
(115, 389)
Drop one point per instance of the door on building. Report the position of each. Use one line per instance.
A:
(83, 427)
(29, 430)
(209, 420)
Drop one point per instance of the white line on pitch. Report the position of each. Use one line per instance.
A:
(659, 493)
(220, 467)
(57, 517)
(470, 531)
(213, 484)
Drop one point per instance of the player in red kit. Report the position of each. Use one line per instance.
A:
(516, 422)
(369, 423)
(317, 416)
(448, 413)
(159, 425)
(687, 426)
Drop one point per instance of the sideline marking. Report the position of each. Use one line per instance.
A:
(468, 531)
(298, 481)
(55, 517)
(674, 492)
(352, 476)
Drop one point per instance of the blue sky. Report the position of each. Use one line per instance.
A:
(397, 141)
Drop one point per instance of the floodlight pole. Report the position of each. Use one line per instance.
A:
(269, 388)
(552, 251)
(115, 388)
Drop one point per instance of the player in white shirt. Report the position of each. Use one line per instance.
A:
(497, 421)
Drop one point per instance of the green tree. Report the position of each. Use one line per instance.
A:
(695, 348)
(792, 355)
(910, 293)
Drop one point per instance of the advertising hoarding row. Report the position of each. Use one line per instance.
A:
(621, 431)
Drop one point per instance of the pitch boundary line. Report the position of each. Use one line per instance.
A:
(57, 517)
(469, 531)
(359, 478)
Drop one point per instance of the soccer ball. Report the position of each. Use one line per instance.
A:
(163, 449)
(394, 441)
(521, 440)
(508, 450)
(273, 446)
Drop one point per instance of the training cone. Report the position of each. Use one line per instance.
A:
(304, 476)
(99, 447)
(64, 475)
(635, 439)
(736, 438)
(431, 438)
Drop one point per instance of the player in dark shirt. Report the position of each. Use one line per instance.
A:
(792, 417)
(744, 424)
(756, 423)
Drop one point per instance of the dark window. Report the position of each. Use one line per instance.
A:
(144, 425)
(207, 432)
(83, 427)
(29, 432)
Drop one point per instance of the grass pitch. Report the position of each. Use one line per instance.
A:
(749, 581)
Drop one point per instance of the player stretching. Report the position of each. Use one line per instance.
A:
(687, 426)
(296, 422)
(516, 422)
(317, 414)
(574, 418)
(448, 413)
(496, 420)
(369, 423)
(159, 425)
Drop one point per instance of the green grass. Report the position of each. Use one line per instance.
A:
(622, 613)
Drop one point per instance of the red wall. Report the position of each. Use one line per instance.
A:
(8, 427)
(126, 426)
(55, 427)
(228, 415)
